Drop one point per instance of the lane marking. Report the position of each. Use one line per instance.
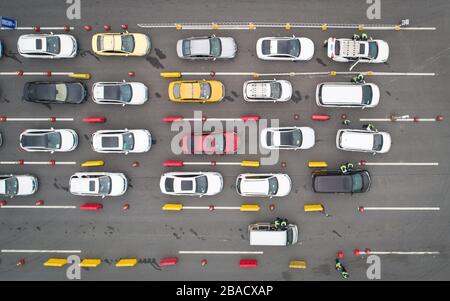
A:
(403, 208)
(221, 252)
(40, 251)
(404, 253)
(36, 207)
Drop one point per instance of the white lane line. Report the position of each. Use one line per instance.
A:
(41, 251)
(221, 252)
(400, 163)
(403, 208)
(36, 207)
(404, 253)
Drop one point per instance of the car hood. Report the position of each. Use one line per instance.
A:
(386, 142)
(142, 44)
(27, 185)
(307, 49)
(383, 51)
(69, 140)
(140, 93)
(284, 185)
(215, 183)
(142, 140)
(229, 48)
(119, 184)
(68, 45)
(308, 137)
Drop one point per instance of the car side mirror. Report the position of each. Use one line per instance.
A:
(214, 59)
(52, 152)
(123, 105)
(374, 154)
(123, 81)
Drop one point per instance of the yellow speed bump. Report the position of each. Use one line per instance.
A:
(249, 208)
(314, 164)
(313, 208)
(127, 262)
(171, 74)
(297, 264)
(55, 262)
(250, 163)
(93, 163)
(80, 75)
(90, 263)
(172, 207)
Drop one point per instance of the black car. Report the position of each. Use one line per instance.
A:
(337, 182)
(55, 92)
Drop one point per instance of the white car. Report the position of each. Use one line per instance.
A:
(17, 185)
(47, 46)
(98, 184)
(263, 185)
(207, 48)
(347, 95)
(288, 138)
(120, 93)
(267, 90)
(349, 50)
(49, 140)
(122, 141)
(191, 183)
(285, 49)
(363, 141)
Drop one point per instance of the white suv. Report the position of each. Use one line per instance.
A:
(267, 90)
(263, 185)
(363, 141)
(17, 185)
(47, 46)
(98, 184)
(347, 95)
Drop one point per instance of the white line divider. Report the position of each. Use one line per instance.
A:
(177, 74)
(404, 118)
(39, 28)
(362, 209)
(50, 162)
(46, 73)
(36, 207)
(222, 252)
(179, 163)
(365, 163)
(42, 251)
(50, 119)
(358, 252)
(243, 208)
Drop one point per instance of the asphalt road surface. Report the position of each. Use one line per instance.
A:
(148, 233)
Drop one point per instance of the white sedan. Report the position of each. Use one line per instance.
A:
(288, 138)
(263, 185)
(17, 185)
(267, 90)
(207, 48)
(191, 183)
(363, 141)
(49, 140)
(98, 184)
(285, 48)
(120, 93)
(47, 46)
(122, 141)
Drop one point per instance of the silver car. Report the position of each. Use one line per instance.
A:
(207, 48)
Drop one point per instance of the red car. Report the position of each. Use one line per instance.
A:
(210, 143)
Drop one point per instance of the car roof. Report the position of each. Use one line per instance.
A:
(276, 238)
(333, 183)
(351, 48)
(253, 186)
(190, 90)
(200, 46)
(341, 94)
(258, 89)
(84, 185)
(357, 140)
(30, 44)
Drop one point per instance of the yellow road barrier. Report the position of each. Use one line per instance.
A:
(93, 163)
(172, 207)
(127, 262)
(250, 163)
(80, 75)
(313, 208)
(90, 263)
(314, 164)
(171, 74)
(249, 208)
(324, 26)
(251, 26)
(55, 262)
(297, 264)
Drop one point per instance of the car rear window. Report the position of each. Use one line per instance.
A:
(169, 185)
(357, 182)
(176, 91)
(377, 142)
(186, 47)
(366, 94)
(265, 47)
(99, 43)
(110, 142)
(269, 138)
(273, 186)
(337, 47)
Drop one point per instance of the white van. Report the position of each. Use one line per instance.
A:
(263, 234)
(347, 95)
(363, 141)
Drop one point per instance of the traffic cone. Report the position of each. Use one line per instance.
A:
(272, 207)
(135, 164)
(340, 254)
(126, 207)
(283, 164)
(204, 262)
(20, 262)
(39, 202)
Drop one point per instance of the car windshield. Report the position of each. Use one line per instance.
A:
(11, 186)
(104, 184)
(377, 142)
(205, 91)
(215, 47)
(366, 94)
(128, 43)
(201, 184)
(186, 47)
(273, 186)
(275, 90)
(53, 45)
(357, 182)
(61, 92)
(176, 91)
(337, 47)
(291, 138)
(128, 141)
(373, 50)
(291, 47)
(54, 140)
(125, 93)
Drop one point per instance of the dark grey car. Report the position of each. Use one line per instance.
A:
(55, 92)
(336, 182)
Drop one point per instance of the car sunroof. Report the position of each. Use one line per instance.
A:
(186, 185)
(110, 141)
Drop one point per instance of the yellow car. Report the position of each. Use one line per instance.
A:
(121, 44)
(196, 91)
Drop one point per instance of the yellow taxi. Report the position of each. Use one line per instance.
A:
(121, 44)
(196, 91)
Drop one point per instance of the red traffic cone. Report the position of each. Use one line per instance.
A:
(272, 207)
(203, 262)
(126, 207)
(39, 202)
(20, 262)
(87, 27)
(131, 73)
(283, 164)
(3, 203)
(340, 254)
(124, 26)
(296, 116)
(135, 164)
(107, 27)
